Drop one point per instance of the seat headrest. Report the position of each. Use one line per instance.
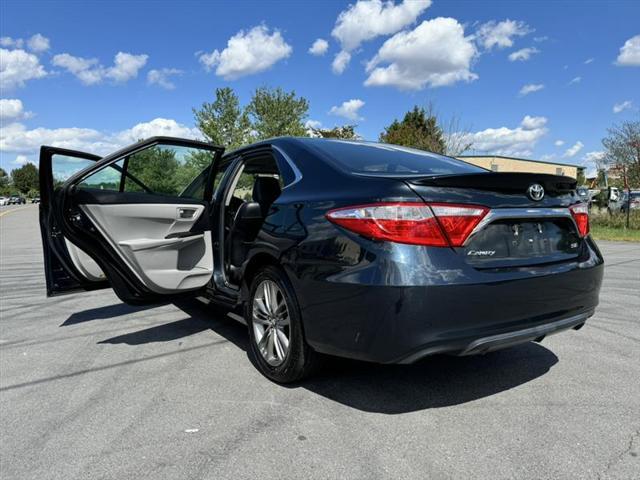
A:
(266, 190)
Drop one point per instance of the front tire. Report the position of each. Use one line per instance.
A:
(276, 337)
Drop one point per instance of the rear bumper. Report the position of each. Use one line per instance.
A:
(396, 307)
(504, 340)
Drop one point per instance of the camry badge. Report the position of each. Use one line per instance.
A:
(535, 192)
(481, 253)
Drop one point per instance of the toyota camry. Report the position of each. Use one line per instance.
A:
(325, 247)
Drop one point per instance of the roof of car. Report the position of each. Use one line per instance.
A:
(310, 141)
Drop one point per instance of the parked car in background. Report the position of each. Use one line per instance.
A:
(355, 249)
(635, 201)
(35, 200)
(4, 201)
(17, 200)
(583, 194)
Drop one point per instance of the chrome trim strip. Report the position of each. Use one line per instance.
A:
(296, 172)
(505, 213)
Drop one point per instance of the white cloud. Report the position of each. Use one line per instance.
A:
(501, 34)
(630, 53)
(8, 42)
(593, 161)
(558, 143)
(548, 157)
(588, 61)
(434, 54)
(575, 80)
(38, 43)
(573, 151)
(533, 123)
(319, 47)
(530, 88)
(368, 19)
(162, 77)
(157, 126)
(22, 160)
(17, 67)
(11, 109)
(620, 107)
(90, 72)
(247, 53)
(543, 38)
(309, 124)
(349, 109)
(16, 138)
(86, 70)
(126, 66)
(523, 54)
(593, 157)
(340, 62)
(519, 141)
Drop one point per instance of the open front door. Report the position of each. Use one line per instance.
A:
(136, 220)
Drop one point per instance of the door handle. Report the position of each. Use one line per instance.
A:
(186, 213)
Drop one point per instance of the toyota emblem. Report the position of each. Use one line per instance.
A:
(535, 192)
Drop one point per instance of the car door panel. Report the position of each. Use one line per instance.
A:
(145, 237)
(151, 244)
(84, 263)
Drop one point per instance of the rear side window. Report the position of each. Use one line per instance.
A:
(390, 160)
(64, 166)
(162, 169)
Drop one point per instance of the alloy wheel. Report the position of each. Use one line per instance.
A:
(270, 323)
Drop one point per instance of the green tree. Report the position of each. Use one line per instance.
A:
(418, 130)
(581, 179)
(345, 132)
(4, 182)
(274, 112)
(223, 122)
(191, 166)
(156, 168)
(622, 151)
(25, 178)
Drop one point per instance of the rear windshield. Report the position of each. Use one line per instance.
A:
(390, 160)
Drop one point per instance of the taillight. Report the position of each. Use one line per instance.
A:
(436, 225)
(580, 214)
(458, 221)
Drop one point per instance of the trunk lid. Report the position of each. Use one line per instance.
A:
(521, 228)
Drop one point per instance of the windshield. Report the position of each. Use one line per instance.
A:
(382, 159)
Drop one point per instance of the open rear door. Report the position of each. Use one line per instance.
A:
(67, 268)
(136, 220)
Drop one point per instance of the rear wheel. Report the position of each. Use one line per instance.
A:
(277, 344)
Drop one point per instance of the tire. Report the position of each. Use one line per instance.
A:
(270, 324)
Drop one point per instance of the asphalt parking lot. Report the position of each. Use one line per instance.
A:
(91, 388)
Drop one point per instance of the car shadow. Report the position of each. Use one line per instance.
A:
(200, 317)
(435, 382)
(166, 332)
(103, 313)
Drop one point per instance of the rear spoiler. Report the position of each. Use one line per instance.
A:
(505, 182)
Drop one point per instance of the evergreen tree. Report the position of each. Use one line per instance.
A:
(418, 130)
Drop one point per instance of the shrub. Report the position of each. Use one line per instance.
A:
(601, 218)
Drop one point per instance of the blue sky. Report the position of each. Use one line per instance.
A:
(94, 76)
